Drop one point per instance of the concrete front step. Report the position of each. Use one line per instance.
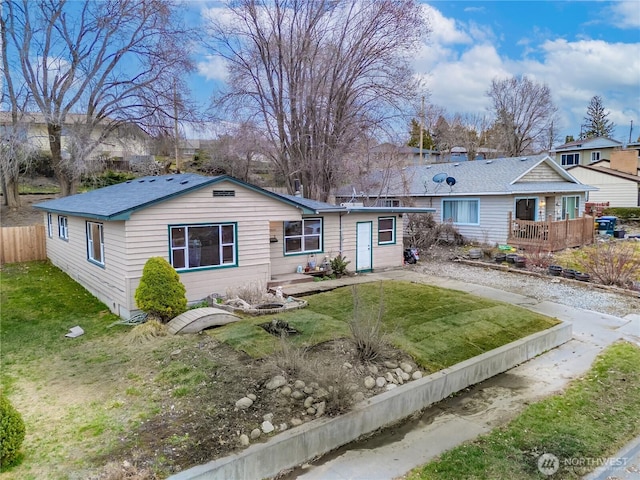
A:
(289, 279)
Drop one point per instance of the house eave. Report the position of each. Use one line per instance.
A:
(390, 210)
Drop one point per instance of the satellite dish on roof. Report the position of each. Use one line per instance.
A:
(451, 181)
(439, 177)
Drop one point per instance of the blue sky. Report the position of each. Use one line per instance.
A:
(578, 48)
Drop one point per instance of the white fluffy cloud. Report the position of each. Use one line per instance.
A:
(625, 14)
(213, 68)
(460, 61)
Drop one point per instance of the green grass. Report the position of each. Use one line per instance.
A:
(77, 396)
(27, 189)
(36, 295)
(437, 327)
(591, 420)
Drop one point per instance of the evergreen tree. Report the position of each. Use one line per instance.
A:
(596, 123)
(414, 139)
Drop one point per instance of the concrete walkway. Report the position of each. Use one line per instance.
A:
(485, 406)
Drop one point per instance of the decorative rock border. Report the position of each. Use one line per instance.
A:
(295, 446)
(294, 304)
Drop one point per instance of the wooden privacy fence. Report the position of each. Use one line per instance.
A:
(551, 236)
(22, 244)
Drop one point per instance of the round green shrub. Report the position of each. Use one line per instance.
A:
(160, 293)
(11, 432)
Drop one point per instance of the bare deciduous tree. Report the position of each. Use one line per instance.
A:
(15, 149)
(524, 112)
(315, 74)
(113, 62)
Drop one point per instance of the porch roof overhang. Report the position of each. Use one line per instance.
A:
(551, 187)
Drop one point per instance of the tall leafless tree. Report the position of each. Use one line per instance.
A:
(315, 74)
(524, 112)
(15, 149)
(114, 62)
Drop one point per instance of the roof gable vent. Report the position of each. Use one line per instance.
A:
(224, 193)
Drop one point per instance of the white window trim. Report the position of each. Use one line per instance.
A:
(442, 219)
(49, 225)
(392, 230)
(593, 154)
(302, 236)
(221, 245)
(63, 227)
(91, 240)
(565, 212)
(574, 156)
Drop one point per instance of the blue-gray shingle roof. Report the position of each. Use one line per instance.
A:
(479, 177)
(118, 202)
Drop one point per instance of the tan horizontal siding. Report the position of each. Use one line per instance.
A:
(542, 173)
(148, 235)
(619, 192)
(106, 283)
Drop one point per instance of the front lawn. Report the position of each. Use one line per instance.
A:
(436, 326)
(590, 421)
(166, 403)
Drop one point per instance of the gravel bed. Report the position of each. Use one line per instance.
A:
(553, 289)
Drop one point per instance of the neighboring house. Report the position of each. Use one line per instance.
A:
(585, 151)
(481, 195)
(217, 232)
(187, 148)
(383, 153)
(127, 141)
(617, 180)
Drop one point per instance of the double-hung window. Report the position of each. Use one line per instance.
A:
(461, 212)
(303, 236)
(386, 230)
(568, 159)
(49, 225)
(198, 246)
(63, 228)
(95, 243)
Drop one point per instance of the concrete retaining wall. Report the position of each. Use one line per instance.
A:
(301, 444)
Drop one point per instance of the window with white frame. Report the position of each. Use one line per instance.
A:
(461, 211)
(63, 228)
(388, 202)
(49, 225)
(95, 243)
(386, 230)
(198, 246)
(570, 159)
(570, 206)
(595, 156)
(303, 236)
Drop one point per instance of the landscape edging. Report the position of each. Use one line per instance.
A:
(301, 444)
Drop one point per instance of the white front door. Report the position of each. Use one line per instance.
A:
(363, 246)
